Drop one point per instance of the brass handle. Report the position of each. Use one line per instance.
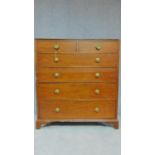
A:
(56, 46)
(56, 75)
(98, 47)
(57, 91)
(97, 91)
(98, 60)
(97, 75)
(56, 59)
(97, 109)
(57, 109)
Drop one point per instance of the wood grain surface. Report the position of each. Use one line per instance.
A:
(77, 109)
(77, 80)
(77, 60)
(77, 75)
(77, 91)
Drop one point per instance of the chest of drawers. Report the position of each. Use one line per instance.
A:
(76, 81)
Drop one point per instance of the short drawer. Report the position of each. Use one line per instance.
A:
(77, 75)
(77, 91)
(101, 46)
(56, 46)
(56, 109)
(77, 60)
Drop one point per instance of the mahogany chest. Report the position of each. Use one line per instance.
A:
(77, 80)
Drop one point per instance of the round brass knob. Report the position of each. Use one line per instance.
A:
(97, 91)
(57, 91)
(57, 109)
(56, 75)
(97, 75)
(56, 46)
(98, 60)
(56, 59)
(97, 109)
(98, 47)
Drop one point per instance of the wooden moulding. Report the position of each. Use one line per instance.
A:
(113, 122)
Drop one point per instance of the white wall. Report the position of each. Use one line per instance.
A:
(77, 18)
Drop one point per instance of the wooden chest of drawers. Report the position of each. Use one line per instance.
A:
(77, 80)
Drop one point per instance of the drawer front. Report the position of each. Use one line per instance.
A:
(77, 60)
(52, 46)
(77, 75)
(77, 91)
(77, 109)
(103, 46)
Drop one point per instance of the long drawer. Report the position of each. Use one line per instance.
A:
(77, 75)
(77, 91)
(77, 60)
(57, 109)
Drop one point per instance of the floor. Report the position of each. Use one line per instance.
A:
(77, 139)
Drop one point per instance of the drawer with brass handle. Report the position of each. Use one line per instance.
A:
(77, 60)
(97, 91)
(57, 91)
(77, 75)
(56, 75)
(94, 46)
(97, 109)
(98, 59)
(98, 75)
(56, 59)
(56, 46)
(77, 91)
(57, 109)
